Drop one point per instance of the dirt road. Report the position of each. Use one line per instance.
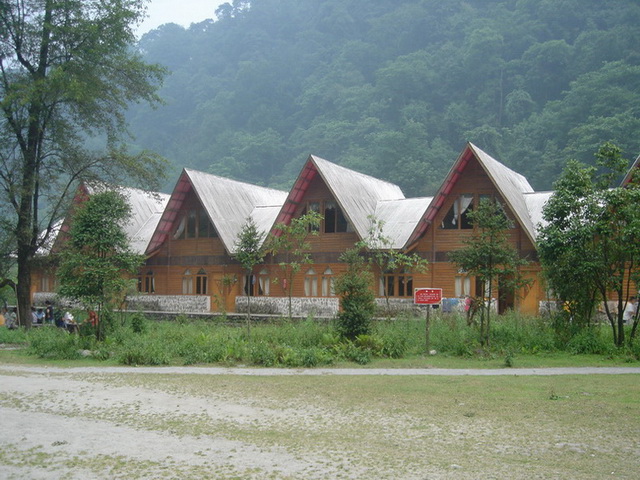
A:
(222, 423)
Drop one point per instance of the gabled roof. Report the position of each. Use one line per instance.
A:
(146, 208)
(400, 218)
(633, 171)
(227, 202)
(357, 194)
(535, 203)
(511, 185)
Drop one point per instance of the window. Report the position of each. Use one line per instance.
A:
(264, 282)
(394, 284)
(327, 283)
(146, 283)
(312, 207)
(201, 282)
(187, 283)
(248, 285)
(334, 219)
(195, 224)
(458, 215)
(44, 284)
(311, 283)
(462, 286)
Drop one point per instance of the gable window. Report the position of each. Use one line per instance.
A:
(201, 282)
(327, 283)
(146, 283)
(458, 215)
(311, 283)
(195, 224)
(334, 219)
(187, 283)
(312, 207)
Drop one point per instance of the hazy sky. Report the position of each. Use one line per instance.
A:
(182, 12)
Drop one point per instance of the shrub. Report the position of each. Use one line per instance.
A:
(142, 351)
(53, 343)
(138, 323)
(356, 298)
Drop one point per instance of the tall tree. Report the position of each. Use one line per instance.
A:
(291, 249)
(592, 230)
(67, 75)
(249, 253)
(488, 256)
(97, 262)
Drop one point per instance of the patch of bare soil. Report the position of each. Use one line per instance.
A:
(58, 423)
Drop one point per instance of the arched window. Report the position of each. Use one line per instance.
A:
(187, 283)
(146, 282)
(201, 282)
(311, 283)
(327, 283)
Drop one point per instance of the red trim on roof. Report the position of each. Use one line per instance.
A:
(296, 194)
(165, 225)
(438, 200)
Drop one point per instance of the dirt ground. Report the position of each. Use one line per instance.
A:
(277, 424)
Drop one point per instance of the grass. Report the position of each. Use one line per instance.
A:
(515, 342)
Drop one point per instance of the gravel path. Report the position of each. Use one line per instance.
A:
(333, 371)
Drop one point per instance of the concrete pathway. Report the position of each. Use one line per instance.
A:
(331, 371)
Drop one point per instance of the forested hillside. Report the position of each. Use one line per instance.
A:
(393, 88)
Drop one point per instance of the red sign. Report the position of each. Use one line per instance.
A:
(427, 296)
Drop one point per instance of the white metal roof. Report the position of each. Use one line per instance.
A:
(511, 185)
(358, 194)
(535, 203)
(400, 218)
(146, 210)
(230, 203)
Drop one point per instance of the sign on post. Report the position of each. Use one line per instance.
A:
(427, 296)
(432, 297)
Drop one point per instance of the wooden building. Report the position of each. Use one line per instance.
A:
(190, 264)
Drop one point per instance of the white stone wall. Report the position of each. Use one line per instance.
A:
(170, 303)
(300, 306)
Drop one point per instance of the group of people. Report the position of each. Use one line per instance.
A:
(46, 316)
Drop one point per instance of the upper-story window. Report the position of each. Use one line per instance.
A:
(458, 215)
(195, 224)
(333, 221)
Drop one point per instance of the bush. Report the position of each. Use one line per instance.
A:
(142, 351)
(53, 343)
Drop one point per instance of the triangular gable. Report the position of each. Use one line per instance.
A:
(357, 194)
(227, 202)
(511, 185)
(633, 172)
(146, 208)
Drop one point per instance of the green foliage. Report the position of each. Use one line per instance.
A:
(291, 249)
(385, 258)
(312, 343)
(394, 88)
(138, 323)
(54, 344)
(489, 257)
(68, 75)
(96, 261)
(357, 301)
(589, 247)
